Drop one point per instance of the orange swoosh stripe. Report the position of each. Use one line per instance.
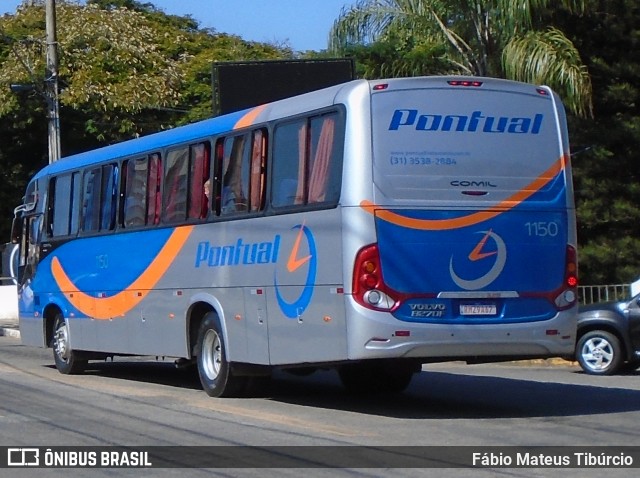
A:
(476, 254)
(118, 305)
(471, 219)
(293, 263)
(249, 118)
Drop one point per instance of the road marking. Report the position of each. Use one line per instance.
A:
(277, 418)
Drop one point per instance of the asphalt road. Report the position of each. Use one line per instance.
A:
(132, 402)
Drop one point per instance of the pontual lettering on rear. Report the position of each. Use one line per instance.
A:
(475, 122)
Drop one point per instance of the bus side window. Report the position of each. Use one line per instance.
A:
(154, 196)
(289, 147)
(200, 155)
(175, 186)
(91, 200)
(100, 198)
(322, 158)
(258, 168)
(307, 166)
(76, 187)
(64, 205)
(60, 205)
(109, 197)
(235, 178)
(215, 187)
(135, 192)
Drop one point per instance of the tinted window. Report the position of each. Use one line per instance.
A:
(307, 161)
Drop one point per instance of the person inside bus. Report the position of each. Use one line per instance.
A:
(205, 199)
(207, 189)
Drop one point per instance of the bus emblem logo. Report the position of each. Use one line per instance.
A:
(295, 261)
(479, 253)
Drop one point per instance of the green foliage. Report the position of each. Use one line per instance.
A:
(549, 57)
(606, 162)
(469, 37)
(126, 70)
(100, 52)
(393, 58)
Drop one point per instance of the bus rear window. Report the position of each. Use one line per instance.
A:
(432, 144)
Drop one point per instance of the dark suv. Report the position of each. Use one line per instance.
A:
(608, 338)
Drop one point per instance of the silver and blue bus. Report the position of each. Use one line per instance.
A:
(370, 227)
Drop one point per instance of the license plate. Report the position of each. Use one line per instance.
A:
(484, 309)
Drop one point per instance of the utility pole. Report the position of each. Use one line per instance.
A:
(51, 82)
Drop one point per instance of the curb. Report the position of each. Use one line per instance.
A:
(9, 332)
(550, 362)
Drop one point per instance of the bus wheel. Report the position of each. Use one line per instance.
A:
(376, 377)
(67, 361)
(214, 370)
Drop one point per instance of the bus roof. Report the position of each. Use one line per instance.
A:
(183, 134)
(145, 144)
(281, 108)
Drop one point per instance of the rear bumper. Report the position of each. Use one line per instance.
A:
(379, 335)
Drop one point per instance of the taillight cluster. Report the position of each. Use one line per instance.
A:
(369, 289)
(571, 270)
(567, 298)
(465, 83)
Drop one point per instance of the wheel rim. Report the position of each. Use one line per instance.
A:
(597, 354)
(211, 354)
(61, 342)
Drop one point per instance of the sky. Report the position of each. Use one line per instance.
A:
(303, 24)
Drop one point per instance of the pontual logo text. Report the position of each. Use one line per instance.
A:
(476, 122)
(237, 254)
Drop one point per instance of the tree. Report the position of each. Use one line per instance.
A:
(606, 148)
(126, 69)
(100, 53)
(501, 38)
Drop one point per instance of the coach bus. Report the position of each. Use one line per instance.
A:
(370, 227)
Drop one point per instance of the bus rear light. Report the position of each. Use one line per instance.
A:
(379, 300)
(369, 266)
(369, 281)
(464, 83)
(568, 296)
(374, 297)
(565, 299)
(571, 268)
(369, 289)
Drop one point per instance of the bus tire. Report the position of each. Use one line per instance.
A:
(599, 353)
(215, 372)
(68, 362)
